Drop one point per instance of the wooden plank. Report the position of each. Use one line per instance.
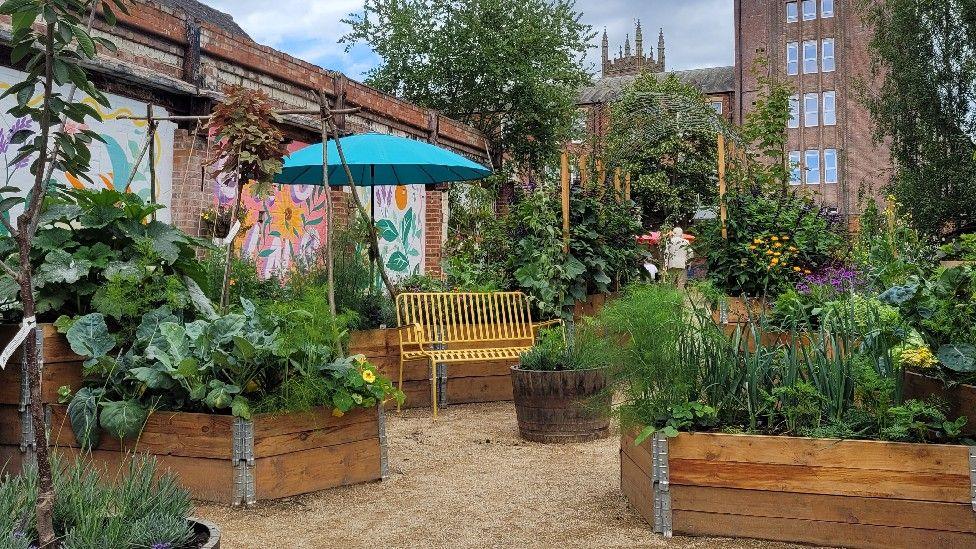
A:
(206, 479)
(10, 426)
(821, 480)
(636, 487)
(317, 469)
(11, 459)
(165, 433)
(960, 398)
(816, 532)
(850, 454)
(953, 517)
(54, 376)
(276, 435)
(463, 390)
(640, 455)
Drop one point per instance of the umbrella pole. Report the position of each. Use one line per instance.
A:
(372, 223)
(329, 213)
(373, 243)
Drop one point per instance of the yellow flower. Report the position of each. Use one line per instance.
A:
(774, 238)
(777, 254)
(918, 357)
(797, 269)
(337, 412)
(774, 261)
(752, 247)
(784, 237)
(360, 359)
(769, 252)
(792, 248)
(778, 245)
(807, 271)
(757, 241)
(369, 376)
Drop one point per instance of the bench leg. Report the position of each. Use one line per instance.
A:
(400, 384)
(433, 386)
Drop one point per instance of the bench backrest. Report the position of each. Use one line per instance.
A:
(463, 317)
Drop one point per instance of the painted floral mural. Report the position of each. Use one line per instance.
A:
(400, 212)
(111, 161)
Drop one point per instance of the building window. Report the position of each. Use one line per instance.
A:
(717, 105)
(809, 10)
(826, 8)
(795, 168)
(827, 49)
(791, 13)
(810, 56)
(829, 108)
(812, 160)
(830, 165)
(794, 112)
(811, 111)
(792, 58)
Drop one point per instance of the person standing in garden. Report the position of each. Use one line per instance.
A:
(676, 255)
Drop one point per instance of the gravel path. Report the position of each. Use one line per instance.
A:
(467, 480)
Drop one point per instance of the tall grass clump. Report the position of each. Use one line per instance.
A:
(136, 510)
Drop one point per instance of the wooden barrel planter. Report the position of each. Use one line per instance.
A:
(206, 534)
(961, 398)
(561, 406)
(486, 381)
(852, 493)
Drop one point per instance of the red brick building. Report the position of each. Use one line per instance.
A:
(177, 55)
(821, 48)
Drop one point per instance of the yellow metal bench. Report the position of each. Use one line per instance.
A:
(460, 327)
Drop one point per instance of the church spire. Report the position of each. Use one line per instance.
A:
(660, 51)
(605, 51)
(639, 41)
(627, 46)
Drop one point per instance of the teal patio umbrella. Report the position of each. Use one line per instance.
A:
(379, 159)
(376, 159)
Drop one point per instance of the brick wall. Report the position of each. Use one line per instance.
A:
(433, 234)
(155, 62)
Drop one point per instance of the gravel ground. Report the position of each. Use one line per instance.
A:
(467, 480)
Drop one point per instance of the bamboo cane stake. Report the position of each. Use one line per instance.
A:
(617, 184)
(329, 213)
(565, 199)
(723, 212)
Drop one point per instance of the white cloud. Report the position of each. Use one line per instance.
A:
(698, 32)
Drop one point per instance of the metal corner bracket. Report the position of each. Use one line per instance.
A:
(243, 460)
(660, 484)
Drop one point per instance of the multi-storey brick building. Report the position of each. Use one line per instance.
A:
(821, 48)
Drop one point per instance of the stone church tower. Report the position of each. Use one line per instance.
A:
(627, 63)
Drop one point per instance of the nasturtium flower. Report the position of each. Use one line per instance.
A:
(369, 376)
(774, 238)
(774, 261)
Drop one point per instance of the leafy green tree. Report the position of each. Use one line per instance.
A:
(923, 50)
(511, 68)
(665, 133)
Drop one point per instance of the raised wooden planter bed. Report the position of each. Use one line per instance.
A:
(736, 310)
(592, 306)
(960, 398)
(851, 493)
(217, 457)
(487, 381)
(228, 460)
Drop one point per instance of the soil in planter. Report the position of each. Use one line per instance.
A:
(561, 406)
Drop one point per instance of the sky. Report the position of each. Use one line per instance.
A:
(698, 32)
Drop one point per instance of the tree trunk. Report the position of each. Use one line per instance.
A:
(26, 228)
